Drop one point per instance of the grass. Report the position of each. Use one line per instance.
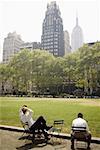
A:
(52, 109)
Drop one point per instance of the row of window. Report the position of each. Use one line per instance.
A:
(48, 40)
(50, 46)
(50, 34)
(50, 43)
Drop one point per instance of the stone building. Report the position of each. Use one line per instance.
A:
(11, 46)
(52, 38)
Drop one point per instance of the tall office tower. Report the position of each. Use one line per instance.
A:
(76, 37)
(52, 38)
(11, 46)
(67, 42)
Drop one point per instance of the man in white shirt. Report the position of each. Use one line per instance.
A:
(26, 117)
(79, 124)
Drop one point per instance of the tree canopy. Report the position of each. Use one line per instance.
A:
(39, 72)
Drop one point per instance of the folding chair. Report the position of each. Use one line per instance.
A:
(79, 137)
(58, 125)
(57, 128)
(38, 133)
(26, 130)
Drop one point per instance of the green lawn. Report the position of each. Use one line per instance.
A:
(52, 109)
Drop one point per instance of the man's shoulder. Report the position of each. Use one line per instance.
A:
(75, 119)
(79, 120)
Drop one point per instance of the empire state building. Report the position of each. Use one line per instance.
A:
(76, 37)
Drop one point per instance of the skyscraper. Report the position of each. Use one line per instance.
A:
(52, 38)
(67, 42)
(76, 37)
(11, 46)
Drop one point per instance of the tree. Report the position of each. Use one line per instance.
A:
(20, 66)
(4, 77)
(69, 70)
(88, 67)
(40, 64)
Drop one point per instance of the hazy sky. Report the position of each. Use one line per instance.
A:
(26, 17)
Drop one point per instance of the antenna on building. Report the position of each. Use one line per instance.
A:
(76, 18)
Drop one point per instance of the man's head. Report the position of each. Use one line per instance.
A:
(24, 108)
(80, 115)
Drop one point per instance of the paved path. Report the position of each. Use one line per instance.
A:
(9, 140)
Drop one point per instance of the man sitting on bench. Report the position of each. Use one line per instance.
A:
(40, 124)
(79, 124)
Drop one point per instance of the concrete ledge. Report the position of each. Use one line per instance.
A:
(11, 128)
(68, 137)
(60, 135)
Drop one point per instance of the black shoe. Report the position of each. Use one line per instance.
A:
(88, 148)
(72, 147)
(48, 127)
(47, 138)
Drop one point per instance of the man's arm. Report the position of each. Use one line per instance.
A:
(29, 112)
(87, 127)
(20, 113)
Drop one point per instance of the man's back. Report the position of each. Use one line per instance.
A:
(79, 124)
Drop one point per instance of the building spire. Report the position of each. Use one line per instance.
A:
(77, 36)
(76, 18)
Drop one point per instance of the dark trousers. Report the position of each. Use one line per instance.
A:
(40, 124)
(87, 137)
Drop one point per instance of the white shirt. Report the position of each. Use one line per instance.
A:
(27, 117)
(78, 123)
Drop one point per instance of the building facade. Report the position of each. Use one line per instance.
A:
(11, 46)
(67, 43)
(52, 38)
(76, 37)
(31, 46)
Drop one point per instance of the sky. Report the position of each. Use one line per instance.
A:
(26, 18)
